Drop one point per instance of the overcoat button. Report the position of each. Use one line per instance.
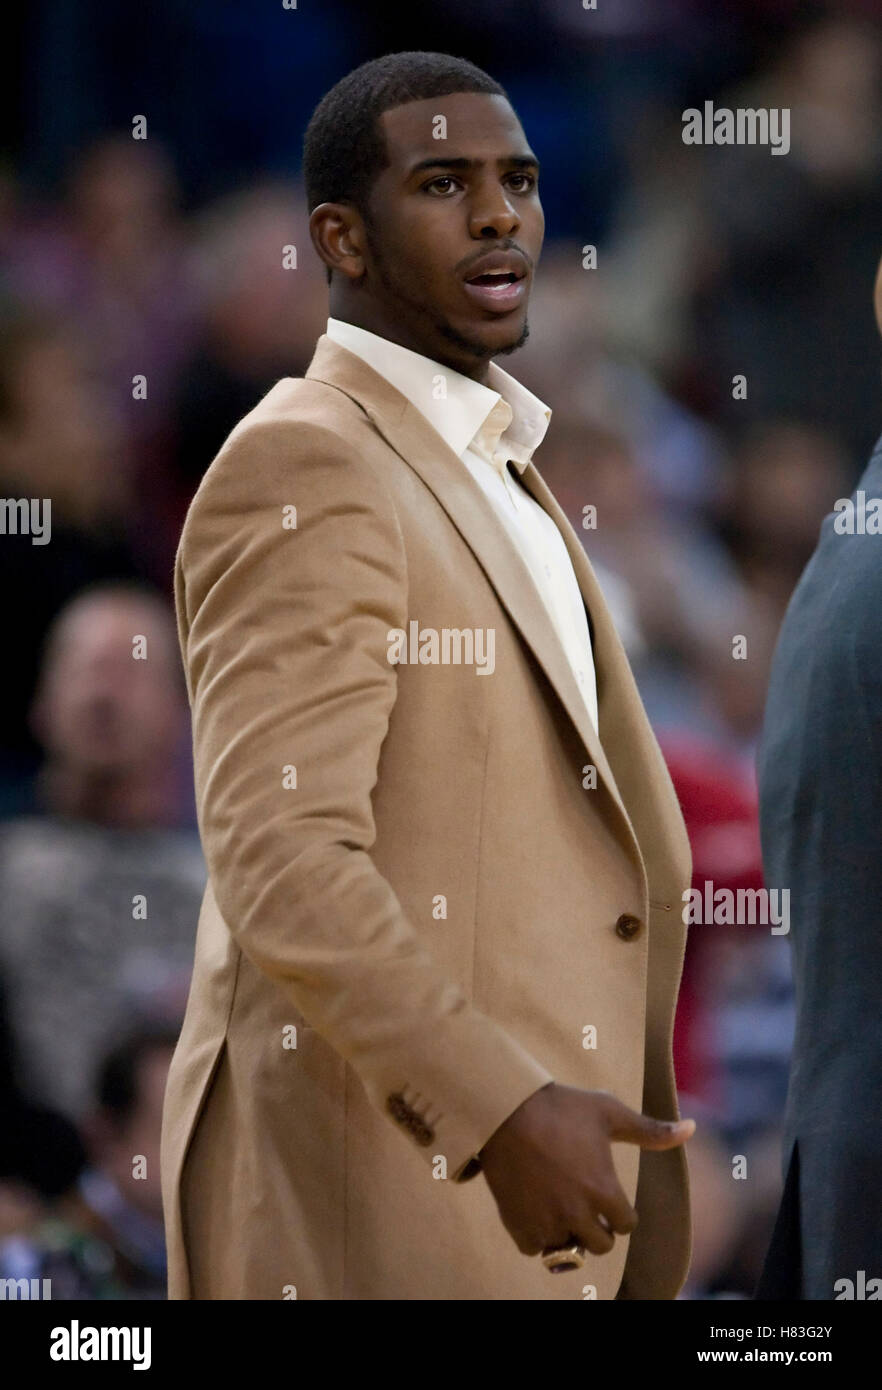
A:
(628, 926)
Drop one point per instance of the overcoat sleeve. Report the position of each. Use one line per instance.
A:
(283, 629)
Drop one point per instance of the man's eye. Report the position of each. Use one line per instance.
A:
(432, 185)
(528, 181)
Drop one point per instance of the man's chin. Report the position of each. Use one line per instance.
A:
(494, 341)
(516, 342)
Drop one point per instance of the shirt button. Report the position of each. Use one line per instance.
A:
(628, 926)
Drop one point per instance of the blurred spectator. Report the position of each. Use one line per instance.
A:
(59, 439)
(714, 1202)
(104, 1237)
(261, 319)
(60, 435)
(686, 594)
(101, 894)
(114, 259)
(720, 810)
(579, 328)
(782, 482)
(751, 1013)
(799, 240)
(735, 1185)
(41, 1153)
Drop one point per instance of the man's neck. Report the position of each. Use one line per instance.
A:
(374, 320)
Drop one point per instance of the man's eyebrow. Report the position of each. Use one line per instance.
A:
(512, 161)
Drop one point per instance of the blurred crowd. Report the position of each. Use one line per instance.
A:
(139, 322)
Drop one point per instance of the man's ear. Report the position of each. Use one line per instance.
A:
(337, 233)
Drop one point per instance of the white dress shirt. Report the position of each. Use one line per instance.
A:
(489, 427)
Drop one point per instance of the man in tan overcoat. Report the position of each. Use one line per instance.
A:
(427, 1050)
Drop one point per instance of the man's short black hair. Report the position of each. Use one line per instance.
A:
(344, 149)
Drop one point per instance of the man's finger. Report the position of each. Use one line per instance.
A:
(615, 1211)
(630, 1127)
(595, 1235)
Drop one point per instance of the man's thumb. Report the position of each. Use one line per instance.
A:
(632, 1128)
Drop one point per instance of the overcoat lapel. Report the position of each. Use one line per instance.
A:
(422, 448)
(641, 774)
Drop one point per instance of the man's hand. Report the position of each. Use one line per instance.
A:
(550, 1167)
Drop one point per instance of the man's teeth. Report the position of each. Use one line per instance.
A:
(494, 277)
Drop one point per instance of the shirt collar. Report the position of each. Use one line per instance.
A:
(500, 421)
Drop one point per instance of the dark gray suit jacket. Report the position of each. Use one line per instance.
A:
(820, 773)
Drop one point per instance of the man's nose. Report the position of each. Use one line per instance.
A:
(492, 214)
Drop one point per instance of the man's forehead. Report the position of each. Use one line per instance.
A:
(470, 118)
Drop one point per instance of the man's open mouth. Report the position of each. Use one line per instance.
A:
(500, 284)
(495, 277)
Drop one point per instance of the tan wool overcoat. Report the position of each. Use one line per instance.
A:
(432, 889)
